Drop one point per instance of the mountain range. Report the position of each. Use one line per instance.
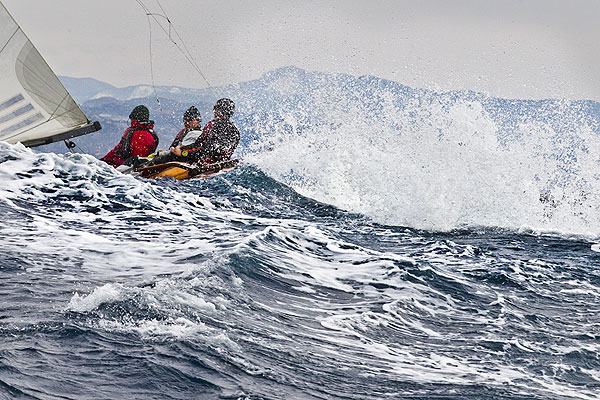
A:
(291, 100)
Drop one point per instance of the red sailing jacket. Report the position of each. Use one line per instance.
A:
(139, 140)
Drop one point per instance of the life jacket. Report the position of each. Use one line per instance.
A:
(178, 138)
(123, 149)
(191, 137)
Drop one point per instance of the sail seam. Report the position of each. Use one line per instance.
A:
(49, 101)
(9, 39)
(39, 77)
(60, 104)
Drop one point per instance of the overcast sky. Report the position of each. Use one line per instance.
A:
(508, 48)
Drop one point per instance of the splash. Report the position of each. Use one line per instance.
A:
(441, 161)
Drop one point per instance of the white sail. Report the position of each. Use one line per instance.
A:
(35, 107)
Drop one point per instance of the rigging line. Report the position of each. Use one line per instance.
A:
(189, 53)
(161, 7)
(148, 15)
(182, 42)
(167, 118)
(170, 24)
(143, 6)
(188, 56)
(195, 64)
(152, 64)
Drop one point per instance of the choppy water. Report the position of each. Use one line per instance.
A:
(444, 279)
(239, 287)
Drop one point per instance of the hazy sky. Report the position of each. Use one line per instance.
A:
(509, 48)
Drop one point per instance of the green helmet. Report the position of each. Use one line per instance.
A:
(140, 114)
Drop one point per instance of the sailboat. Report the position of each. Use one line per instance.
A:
(35, 107)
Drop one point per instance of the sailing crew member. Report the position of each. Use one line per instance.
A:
(192, 122)
(139, 140)
(219, 141)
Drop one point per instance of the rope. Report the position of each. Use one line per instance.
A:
(167, 118)
(184, 51)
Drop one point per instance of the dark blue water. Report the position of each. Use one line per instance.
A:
(239, 287)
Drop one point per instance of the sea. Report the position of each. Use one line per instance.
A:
(347, 262)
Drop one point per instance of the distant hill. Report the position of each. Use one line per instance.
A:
(83, 89)
(290, 100)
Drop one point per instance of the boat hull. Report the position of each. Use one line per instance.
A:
(183, 171)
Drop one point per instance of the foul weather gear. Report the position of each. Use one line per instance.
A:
(225, 106)
(139, 140)
(217, 143)
(186, 137)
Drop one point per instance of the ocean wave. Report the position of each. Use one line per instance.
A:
(442, 163)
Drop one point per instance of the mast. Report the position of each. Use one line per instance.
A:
(35, 107)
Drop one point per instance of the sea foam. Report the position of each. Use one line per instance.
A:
(441, 162)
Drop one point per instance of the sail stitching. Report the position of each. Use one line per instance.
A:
(41, 78)
(9, 39)
(60, 104)
(50, 101)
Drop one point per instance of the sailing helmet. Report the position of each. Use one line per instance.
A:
(225, 106)
(191, 114)
(140, 114)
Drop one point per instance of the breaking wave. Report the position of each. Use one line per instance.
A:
(442, 162)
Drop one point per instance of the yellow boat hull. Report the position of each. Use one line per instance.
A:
(174, 172)
(182, 171)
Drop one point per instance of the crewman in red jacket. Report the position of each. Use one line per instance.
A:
(139, 140)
